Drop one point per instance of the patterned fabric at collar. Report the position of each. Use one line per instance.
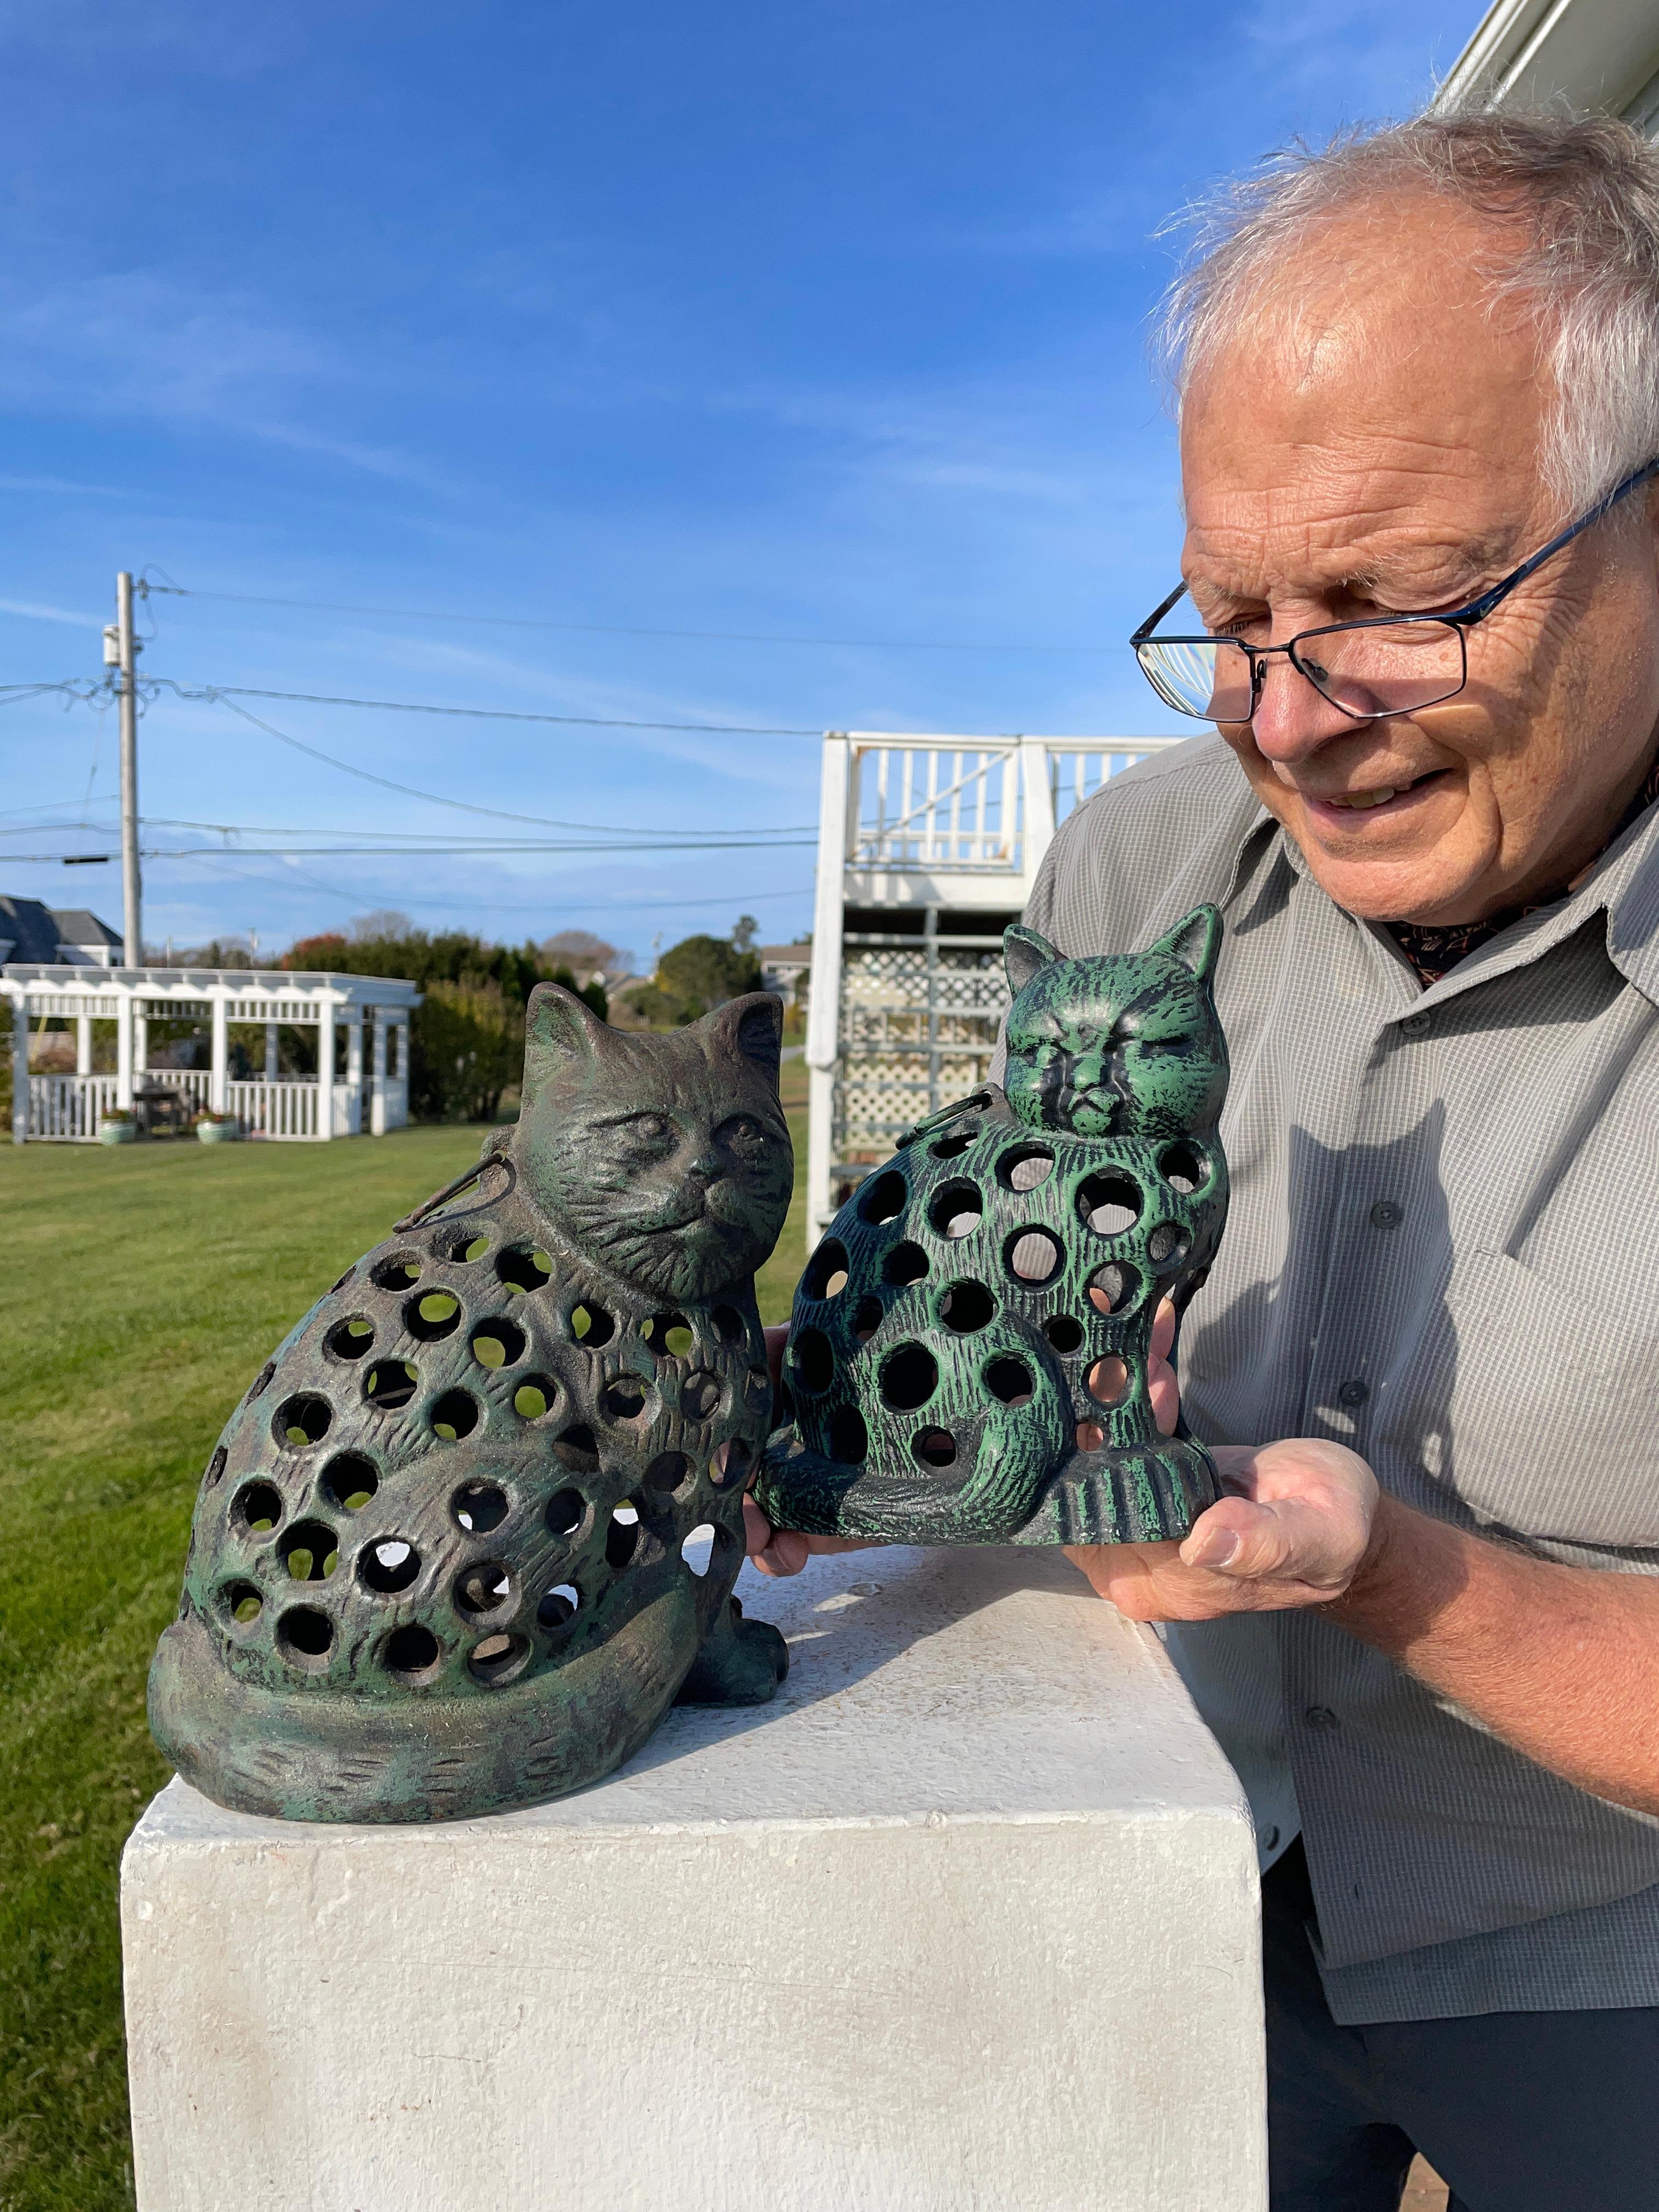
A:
(1435, 952)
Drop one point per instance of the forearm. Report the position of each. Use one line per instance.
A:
(1561, 1663)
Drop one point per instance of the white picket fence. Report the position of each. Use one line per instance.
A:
(278, 1110)
(64, 1109)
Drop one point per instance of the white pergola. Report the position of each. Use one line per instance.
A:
(352, 1092)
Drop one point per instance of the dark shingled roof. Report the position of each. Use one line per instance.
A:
(31, 927)
(76, 926)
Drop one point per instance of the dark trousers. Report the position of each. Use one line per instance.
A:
(1517, 2111)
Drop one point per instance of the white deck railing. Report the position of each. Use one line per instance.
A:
(275, 1109)
(64, 1109)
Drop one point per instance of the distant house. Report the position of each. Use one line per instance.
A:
(782, 966)
(56, 937)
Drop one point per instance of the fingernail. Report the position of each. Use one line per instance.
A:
(1215, 1549)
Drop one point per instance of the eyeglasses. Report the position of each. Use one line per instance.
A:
(1386, 665)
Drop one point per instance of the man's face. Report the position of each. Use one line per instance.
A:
(1376, 454)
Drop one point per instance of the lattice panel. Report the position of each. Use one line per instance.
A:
(918, 1027)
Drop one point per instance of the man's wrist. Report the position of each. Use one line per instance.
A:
(1410, 1572)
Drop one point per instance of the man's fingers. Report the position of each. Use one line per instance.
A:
(776, 1338)
(1286, 1540)
(1163, 1330)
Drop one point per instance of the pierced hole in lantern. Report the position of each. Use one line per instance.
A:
(498, 1659)
(534, 1396)
(966, 1306)
(522, 1269)
(301, 1420)
(884, 1200)
(304, 1636)
(435, 1314)
(577, 1450)
(848, 1439)
(731, 1461)
(1108, 1380)
(261, 1383)
(1009, 1380)
(1033, 1256)
(956, 1210)
(952, 1146)
(389, 1564)
(729, 1325)
(1063, 1332)
(454, 1416)
(867, 1320)
(909, 1377)
(666, 1472)
(698, 1549)
(668, 1335)
(1025, 1167)
(350, 1340)
(460, 1245)
(310, 1551)
(1114, 1287)
(699, 1395)
(243, 1602)
(934, 1447)
(396, 1272)
(1183, 1167)
(1167, 1245)
(812, 1359)
(483, 1589)
(559, 1607)
(622, 1398)
(411, 1652)
(389, 1384)
(905, 1264)
(591, 1325)
(344, 1281)
(1109, 1203)
(566, 1511)
(478, 1507)
(216, 1467)
(1090, 1436)
(622, 1538)
(828, 1265)
(498, 1343)
(257, 1508)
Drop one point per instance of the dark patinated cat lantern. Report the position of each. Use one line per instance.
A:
(476, 1522)
(967, 1357)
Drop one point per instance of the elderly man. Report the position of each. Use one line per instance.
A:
(1419, 378)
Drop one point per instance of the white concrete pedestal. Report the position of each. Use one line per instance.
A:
(966, 1919)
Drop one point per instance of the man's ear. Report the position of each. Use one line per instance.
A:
(558, 1028)
(1024, 954)
(752, 1028)
(1195, 941)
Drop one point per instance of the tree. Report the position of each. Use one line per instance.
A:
(744, 936)
(384, 921)
(588, 955)
(694, 976)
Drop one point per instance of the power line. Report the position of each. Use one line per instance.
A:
(614, 630)
(229, 691)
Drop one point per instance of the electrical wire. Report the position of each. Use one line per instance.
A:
(229, 691)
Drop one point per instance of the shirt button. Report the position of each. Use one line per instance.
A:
(1385, 1215)
(1320, 1717)
(1417, 1025)
(1354, 1392)
(1270, 1839)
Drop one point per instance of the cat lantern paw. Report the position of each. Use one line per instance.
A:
(967, 1354)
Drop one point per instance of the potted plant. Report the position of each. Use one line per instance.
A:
(116, 1127)
(217, 1128)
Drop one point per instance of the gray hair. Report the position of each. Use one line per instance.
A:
(1578, 199)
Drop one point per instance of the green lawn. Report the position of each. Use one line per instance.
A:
(140, 1290)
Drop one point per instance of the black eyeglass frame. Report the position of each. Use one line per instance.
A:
(1461, 619)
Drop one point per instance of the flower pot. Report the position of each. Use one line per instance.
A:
(217, 1133)
(117, 1132)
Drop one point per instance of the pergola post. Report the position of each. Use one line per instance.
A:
(221, 1061)
(377, 1076)
(272, 1057)
(326, 1063)
(354, 1072)
(83, 1044)
(140, 1039)
(123, 1014)
(19, 1070)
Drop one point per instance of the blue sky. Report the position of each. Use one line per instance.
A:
(822, 324)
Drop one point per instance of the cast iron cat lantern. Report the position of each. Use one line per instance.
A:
(967, 1357)
(476, 1522)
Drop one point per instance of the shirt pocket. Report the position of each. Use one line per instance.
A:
(1550, 1425)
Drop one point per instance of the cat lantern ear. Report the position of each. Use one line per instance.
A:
(1024, 954)
(558, 1026)
(752, 1028)
(1195, 941)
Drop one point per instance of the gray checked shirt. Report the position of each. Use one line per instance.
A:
(1441, 1250)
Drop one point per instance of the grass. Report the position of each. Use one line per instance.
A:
(142, 1288)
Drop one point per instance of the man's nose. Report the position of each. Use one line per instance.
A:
(1292, 719)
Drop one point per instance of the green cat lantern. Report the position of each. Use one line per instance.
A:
(476, 1525)
(967, 1357)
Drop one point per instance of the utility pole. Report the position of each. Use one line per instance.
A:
(127, 693)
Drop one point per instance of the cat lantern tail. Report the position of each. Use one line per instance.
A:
(967, 1354)
(476, 1525)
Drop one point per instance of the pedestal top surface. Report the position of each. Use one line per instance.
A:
(973, 1684)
